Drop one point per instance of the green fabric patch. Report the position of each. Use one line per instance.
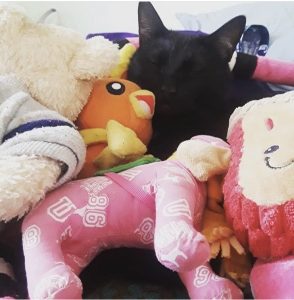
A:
(146, 159)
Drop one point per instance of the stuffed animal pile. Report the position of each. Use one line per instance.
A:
(46, 76)
(51, 77)
(54, 69)
(165, 202)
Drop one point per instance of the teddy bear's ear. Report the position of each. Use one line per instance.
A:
(87, 63)
(12, 18)
(204, 158)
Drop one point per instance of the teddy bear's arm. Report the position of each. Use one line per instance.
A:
(23, 182)
(178, 245)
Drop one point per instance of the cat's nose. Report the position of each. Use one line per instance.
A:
(168, 89)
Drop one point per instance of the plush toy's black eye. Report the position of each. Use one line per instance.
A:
(271, 149)
(115, 88)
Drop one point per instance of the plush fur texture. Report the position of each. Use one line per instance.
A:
(261, 209)
(58, 67)
(56, 64)
(32, 131)
(203, 158)
(21, 192)
(189, 76)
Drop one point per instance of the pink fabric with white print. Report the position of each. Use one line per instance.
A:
(81, 218)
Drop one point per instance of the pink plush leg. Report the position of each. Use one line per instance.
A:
(188, 251)
(273, 279)
(48, 277)
(203, 283)
(58, 283)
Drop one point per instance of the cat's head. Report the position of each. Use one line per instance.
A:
(184, 72)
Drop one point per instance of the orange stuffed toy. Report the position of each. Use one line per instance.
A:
(115, 124)
(235, 262)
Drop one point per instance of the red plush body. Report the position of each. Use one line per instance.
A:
(259, 191)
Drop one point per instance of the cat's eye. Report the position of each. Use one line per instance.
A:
(115, 88)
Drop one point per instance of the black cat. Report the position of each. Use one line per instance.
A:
(189, 76)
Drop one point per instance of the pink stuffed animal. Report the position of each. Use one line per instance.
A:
(158, 205)
(259, 191)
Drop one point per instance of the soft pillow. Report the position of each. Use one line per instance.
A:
(281, 50)
(275, 16)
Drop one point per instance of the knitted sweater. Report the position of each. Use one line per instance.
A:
(29, 128)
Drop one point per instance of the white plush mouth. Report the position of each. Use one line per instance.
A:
(268, 164)
(145, 107)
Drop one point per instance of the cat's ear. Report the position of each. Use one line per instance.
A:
(150, 24)
(228, 36)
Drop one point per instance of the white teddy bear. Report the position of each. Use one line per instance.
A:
(46, 75)
(39, 150)
(56, 64)
(54, 69)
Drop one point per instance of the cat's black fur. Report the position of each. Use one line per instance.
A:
(189, 76)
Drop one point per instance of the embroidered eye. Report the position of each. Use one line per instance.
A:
(271, 149)
(269, 123)
(115, 88)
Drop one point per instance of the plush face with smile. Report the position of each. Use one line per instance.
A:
(258, 187)
(266, 169)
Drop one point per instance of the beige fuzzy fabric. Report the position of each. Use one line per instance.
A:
(56, 64)
(57, 67)
(24, 181)
(31, 160)
(203, 159)
(241, 111)
(266, 176)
